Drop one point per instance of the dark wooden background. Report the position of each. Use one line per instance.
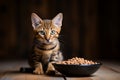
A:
(90, 27)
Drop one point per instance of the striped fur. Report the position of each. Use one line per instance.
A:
(45, 44)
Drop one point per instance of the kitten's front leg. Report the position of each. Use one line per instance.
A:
(38, 69)
(50, 67)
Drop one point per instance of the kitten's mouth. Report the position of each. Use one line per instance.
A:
(47, 43)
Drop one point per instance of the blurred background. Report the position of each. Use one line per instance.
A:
(90, 27)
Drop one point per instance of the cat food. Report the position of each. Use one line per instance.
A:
(79, 61)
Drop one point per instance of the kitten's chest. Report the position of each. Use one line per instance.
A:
(47, 50)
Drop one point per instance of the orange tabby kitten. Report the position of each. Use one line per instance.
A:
(46, 44)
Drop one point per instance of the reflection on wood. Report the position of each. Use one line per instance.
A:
(9, 70)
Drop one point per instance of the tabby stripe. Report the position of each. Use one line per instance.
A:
(45, 48)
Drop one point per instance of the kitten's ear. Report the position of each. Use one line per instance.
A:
(57, 20)
(36, 20)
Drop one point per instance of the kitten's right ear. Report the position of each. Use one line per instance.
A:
(36, 20)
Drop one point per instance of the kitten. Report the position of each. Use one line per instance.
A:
(46, 44)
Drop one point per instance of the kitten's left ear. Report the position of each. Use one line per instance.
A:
(57, 20)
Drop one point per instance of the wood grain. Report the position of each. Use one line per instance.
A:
(9, 70)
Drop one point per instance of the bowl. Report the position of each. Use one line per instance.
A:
(77, 70)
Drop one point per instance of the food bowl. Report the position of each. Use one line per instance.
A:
(77, 70)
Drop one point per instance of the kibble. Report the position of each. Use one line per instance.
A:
(77, 61)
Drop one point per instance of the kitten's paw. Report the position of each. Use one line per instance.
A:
(38, 71)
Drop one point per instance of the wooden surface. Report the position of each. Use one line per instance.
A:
(9, 70)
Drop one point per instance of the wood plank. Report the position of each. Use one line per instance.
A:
(10, 71)
(18, 76)
(21, 76)
(15, 75)
(78, 78)
(11, 66)
(104, 73)
(113, 65)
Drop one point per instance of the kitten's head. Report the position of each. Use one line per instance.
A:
(46, 30)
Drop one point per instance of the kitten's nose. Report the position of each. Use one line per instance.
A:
(48, 40)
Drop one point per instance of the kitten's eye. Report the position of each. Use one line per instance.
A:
(42, 32)
(53, 32)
